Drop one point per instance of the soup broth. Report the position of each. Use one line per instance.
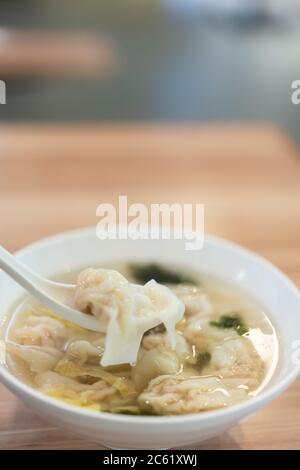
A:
(226, 350)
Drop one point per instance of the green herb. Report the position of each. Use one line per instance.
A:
(149, 413)
(230, 321)
(145, 272)
(127, 410)
(133, 410)
(203, 359)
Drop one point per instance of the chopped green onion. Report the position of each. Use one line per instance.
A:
(145, 272)
(230, 321)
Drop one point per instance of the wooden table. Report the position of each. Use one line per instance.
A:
(52, 177)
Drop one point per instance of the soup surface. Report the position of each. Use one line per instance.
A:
(224, 348)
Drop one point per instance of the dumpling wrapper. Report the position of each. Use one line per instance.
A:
(126, 311)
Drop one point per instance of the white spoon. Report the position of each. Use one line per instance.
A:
(50, 293)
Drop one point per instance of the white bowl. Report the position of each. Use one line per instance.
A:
(77, 249)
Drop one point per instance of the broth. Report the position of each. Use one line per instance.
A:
(226, 351)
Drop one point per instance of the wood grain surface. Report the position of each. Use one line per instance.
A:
(52, 177)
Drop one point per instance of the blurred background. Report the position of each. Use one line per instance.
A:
(179, 60)
(162, 100)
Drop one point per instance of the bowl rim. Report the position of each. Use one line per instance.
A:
(246, 407)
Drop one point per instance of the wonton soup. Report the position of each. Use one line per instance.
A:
(172, 343)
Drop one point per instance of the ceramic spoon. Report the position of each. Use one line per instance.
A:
(51, 294)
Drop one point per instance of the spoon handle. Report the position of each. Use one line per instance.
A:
(18, 271)
(50, 293)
